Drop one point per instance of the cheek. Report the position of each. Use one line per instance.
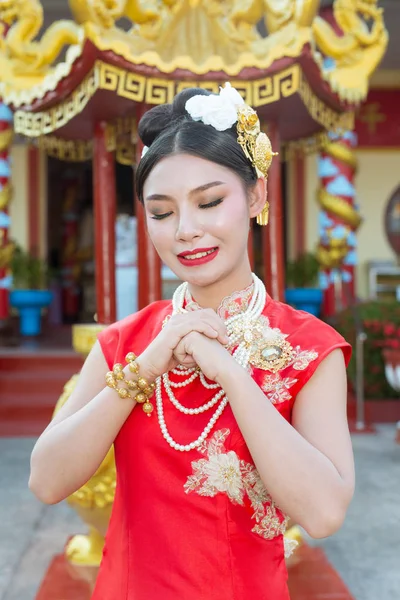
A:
(159, 234)
(233, 218)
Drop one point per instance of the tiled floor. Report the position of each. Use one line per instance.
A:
(364, 555)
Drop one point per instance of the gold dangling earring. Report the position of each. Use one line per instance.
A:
(263, 216)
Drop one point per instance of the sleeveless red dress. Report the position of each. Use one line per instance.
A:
(200, 525)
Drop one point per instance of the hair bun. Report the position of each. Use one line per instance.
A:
(153, 122)
(159, 118)
(179, 103)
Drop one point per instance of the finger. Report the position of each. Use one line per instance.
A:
(217, 323)
(200, 327)
(181, 355)
(204, 321)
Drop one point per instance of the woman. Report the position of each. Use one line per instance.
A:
(205, 486)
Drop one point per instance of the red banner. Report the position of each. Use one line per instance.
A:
(378, 120)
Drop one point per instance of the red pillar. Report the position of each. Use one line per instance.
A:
(272, 234)
(149, 264)
(299, 204)
(104, 213)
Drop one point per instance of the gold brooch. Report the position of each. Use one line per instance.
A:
(271, 355)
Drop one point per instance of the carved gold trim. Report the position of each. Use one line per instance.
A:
(304, 146)
(68, 150)
(42, 123)
(157, 91)
(321, 113)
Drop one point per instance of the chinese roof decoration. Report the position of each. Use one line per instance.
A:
(89, 68)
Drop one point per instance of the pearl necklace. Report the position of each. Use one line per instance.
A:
(238, 330)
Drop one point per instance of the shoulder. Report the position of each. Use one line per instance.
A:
(303, 330)
(133, 333)
(310, 341)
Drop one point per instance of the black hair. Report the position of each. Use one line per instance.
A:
(168, 129)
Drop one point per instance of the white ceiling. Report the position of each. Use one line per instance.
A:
(59, 9)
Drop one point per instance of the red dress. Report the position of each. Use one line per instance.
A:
(200, 525)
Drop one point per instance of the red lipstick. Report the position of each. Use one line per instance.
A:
(208, 255)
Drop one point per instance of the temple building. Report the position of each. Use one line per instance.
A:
(323, 75)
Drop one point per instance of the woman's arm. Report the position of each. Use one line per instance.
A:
(75, 443)
(308, 469)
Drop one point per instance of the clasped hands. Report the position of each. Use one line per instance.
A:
(196, 338)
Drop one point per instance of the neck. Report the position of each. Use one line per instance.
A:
(212, 295)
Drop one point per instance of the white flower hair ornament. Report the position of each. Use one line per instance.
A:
(222, 112)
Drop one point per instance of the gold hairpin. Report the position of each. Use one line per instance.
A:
(257, 147)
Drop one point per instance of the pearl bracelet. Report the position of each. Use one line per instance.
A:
(144, 390)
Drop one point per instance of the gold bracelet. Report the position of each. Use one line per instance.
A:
(144, 389)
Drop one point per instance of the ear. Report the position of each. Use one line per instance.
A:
(258, 197)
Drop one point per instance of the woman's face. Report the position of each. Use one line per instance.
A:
(197, 215)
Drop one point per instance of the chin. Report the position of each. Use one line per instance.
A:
(201, 276)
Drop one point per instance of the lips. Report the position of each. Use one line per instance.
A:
(199, 256)
(198, 253)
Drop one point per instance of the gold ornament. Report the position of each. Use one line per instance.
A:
(262, 218)
(141, 398)
(133, 367)
(271, 355)
(142, 383)
(257, 147)
(255, 144)
(148, 408)
(143, 389)
(123, 393)
(132, 384)
(110, 380)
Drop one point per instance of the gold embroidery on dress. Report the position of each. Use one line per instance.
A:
(223, 472)
(302, 358)
(277, 388)
(234, 304)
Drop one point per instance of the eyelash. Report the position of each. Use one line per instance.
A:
(209, 205)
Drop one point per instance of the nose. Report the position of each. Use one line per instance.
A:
(189, 227)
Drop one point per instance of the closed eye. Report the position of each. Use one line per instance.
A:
(160, 217)
(211, 204)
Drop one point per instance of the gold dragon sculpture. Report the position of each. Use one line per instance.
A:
(357, 51)
(224, 34)
(24, 55)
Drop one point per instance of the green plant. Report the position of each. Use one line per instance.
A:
(28, 271)
(381, 323)
(303, 272)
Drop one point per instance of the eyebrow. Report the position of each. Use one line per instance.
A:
(201, 188)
